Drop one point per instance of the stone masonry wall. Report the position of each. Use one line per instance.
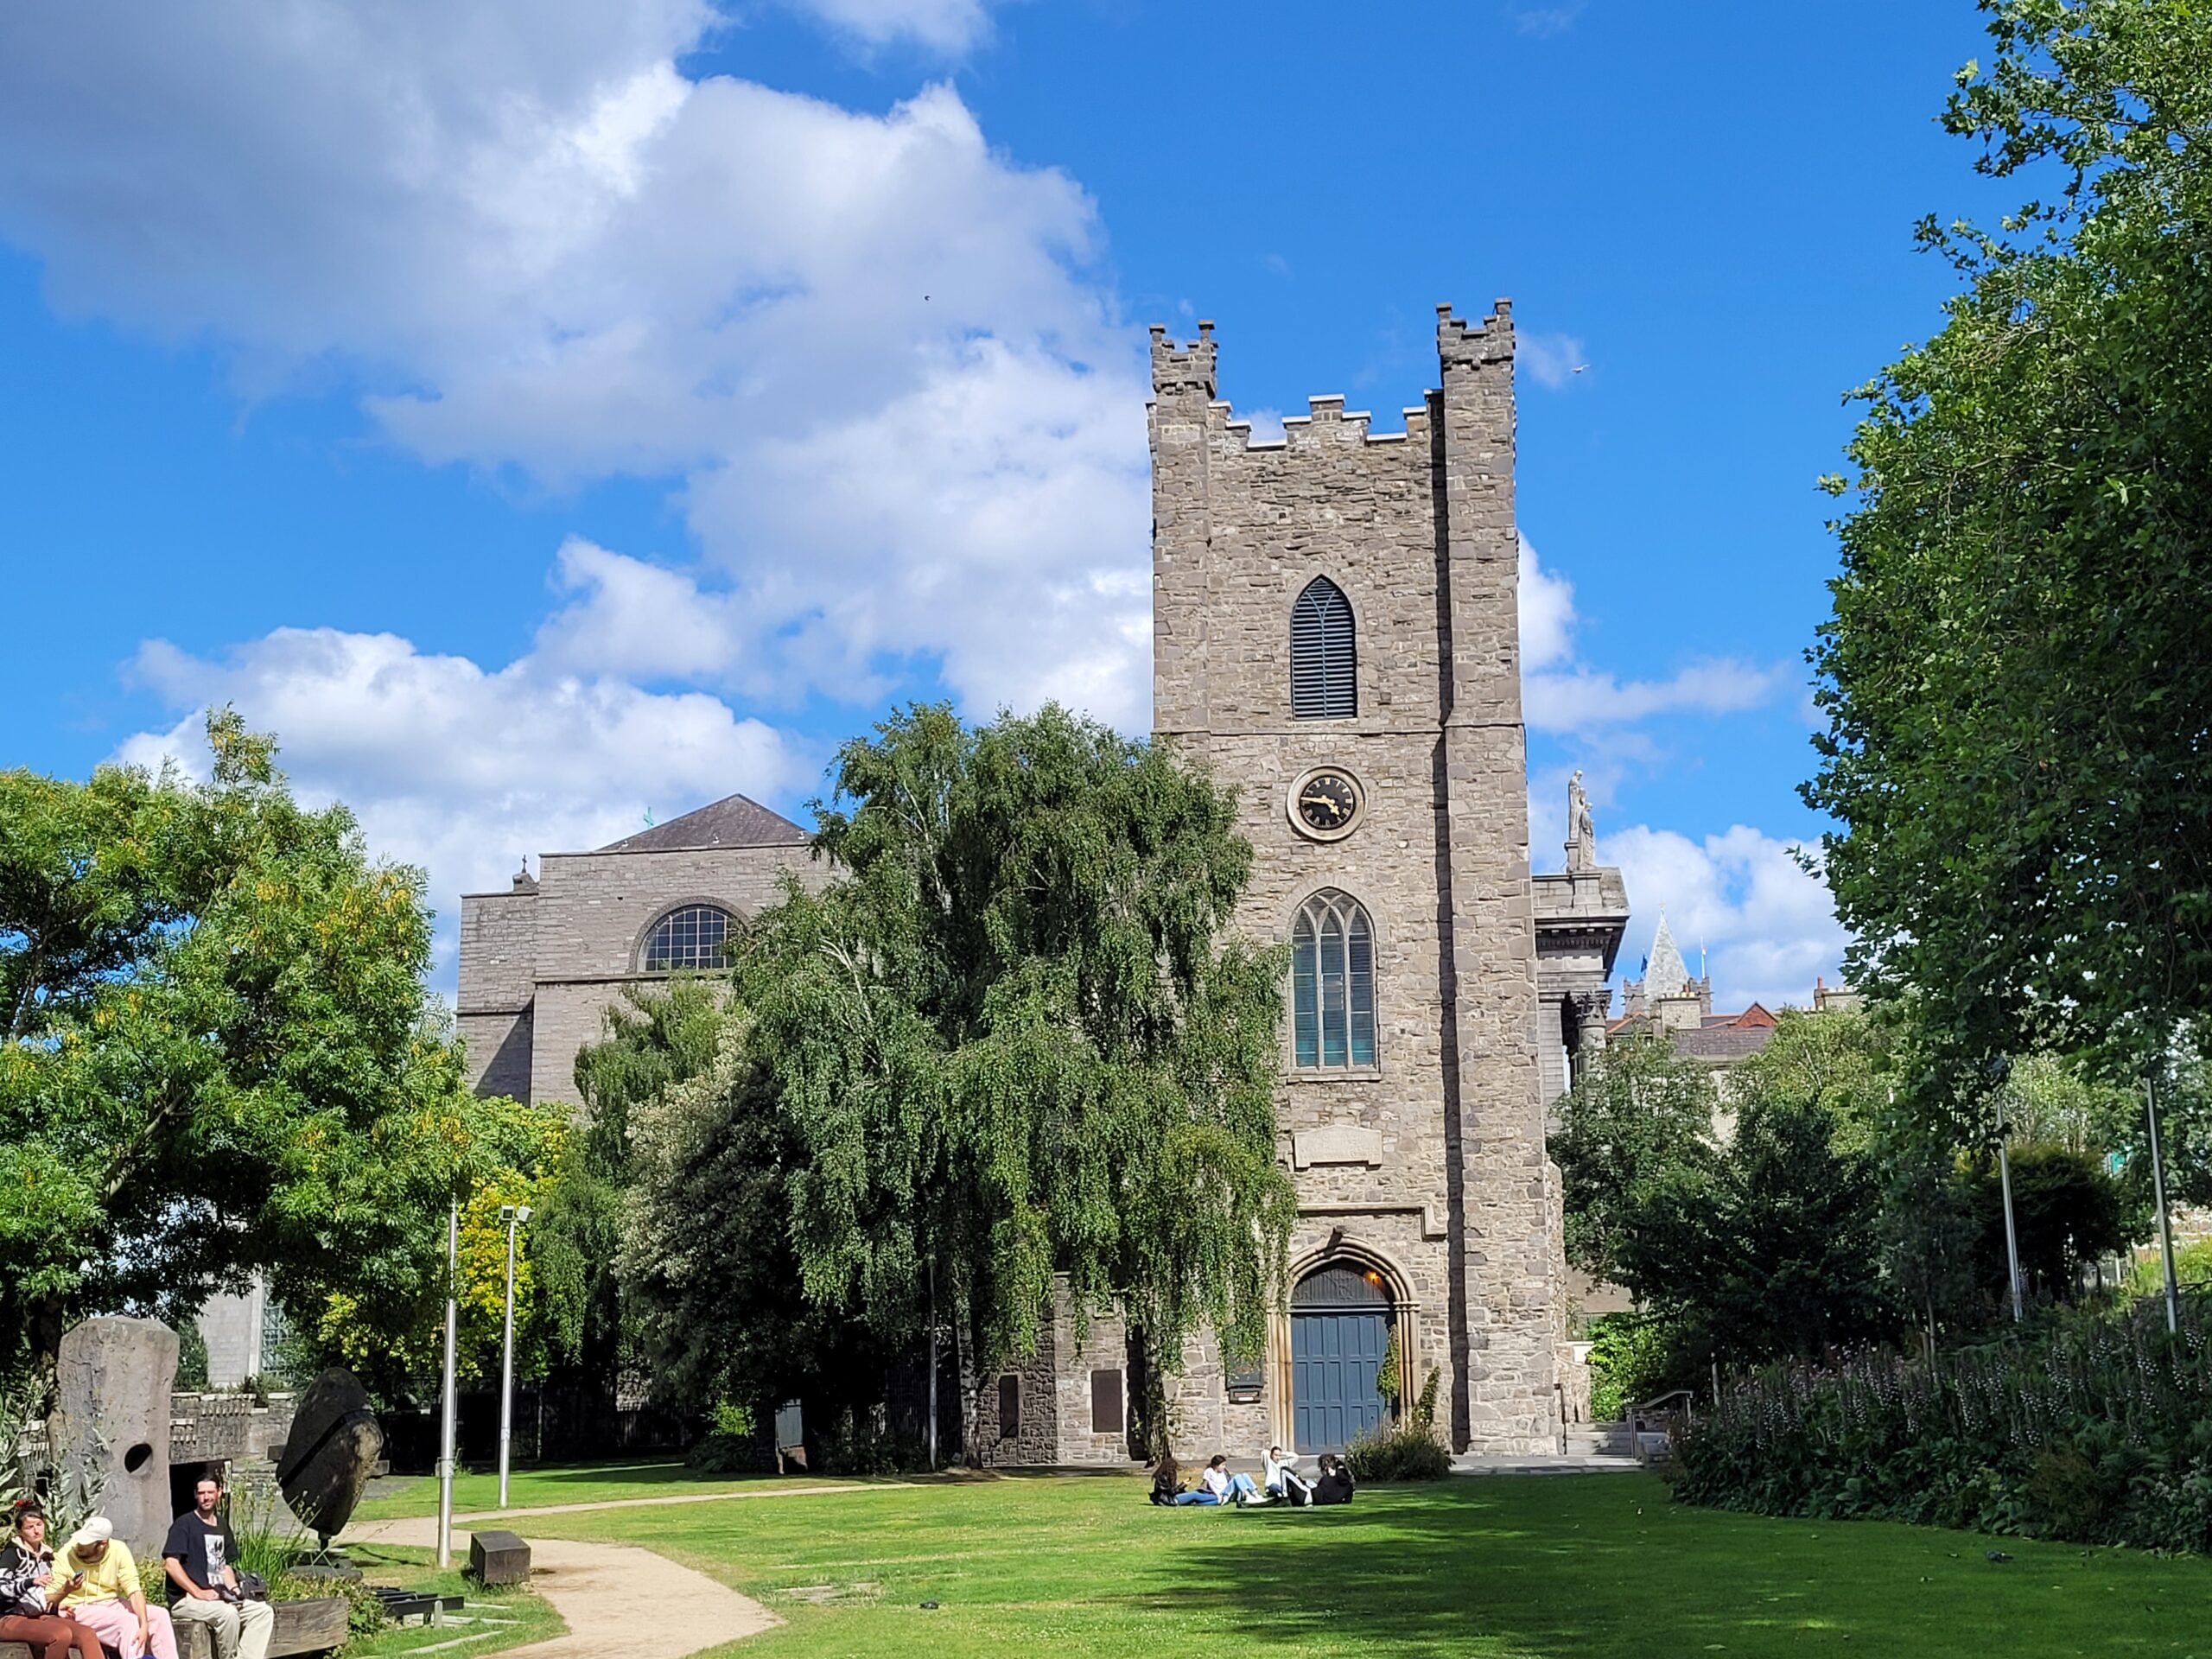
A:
(1035, 1441)
(539, 968)
(499, 1049)
(1104, 1346)
(498, 964)
(498, 949)
(1511, 1288)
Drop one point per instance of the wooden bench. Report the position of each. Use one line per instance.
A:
(314, 1626)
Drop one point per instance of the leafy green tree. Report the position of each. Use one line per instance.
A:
(389, 1329)
(1846, 1065)
(220, 1055)
(651, 1039)
(1928, 1229)
(1632, 1359)
(1776, 1249)
(1638, 1113)
(1774, 1239)
(1011, 1041)
(2185, 1121)
(2067, 1212)
(2018, 674)
(2043, 1098)
(1864, 1070)
(716, 1297)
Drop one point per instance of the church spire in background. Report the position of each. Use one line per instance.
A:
(1665, 973)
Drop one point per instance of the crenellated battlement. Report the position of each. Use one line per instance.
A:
(1489, 341)
(1180, 370)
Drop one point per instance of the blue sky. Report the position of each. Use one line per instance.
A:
(538, 416)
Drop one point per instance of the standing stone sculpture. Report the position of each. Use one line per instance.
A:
(1581, 831)
(333, 1450)
(111, 1409)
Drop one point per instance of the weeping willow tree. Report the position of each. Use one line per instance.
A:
(1010, 1042)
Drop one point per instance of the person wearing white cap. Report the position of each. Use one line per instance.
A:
(100, 1587)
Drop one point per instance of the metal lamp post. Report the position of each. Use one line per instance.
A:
(2001, 1072)
(446, 1412)
(2011, 1239)
(514, 1215)
(2165, 1217)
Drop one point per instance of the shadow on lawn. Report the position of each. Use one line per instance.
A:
(1454, 1568)
(1429, 1573)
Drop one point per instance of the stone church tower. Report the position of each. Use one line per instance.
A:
(1336, 635)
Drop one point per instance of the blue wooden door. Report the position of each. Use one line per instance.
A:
(1334, 1358)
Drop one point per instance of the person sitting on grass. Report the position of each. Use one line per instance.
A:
(1284, 1482)
(27, 1579)
(201, 1559)
(1217, 1485)
(99, 1587)
(1336, 1484)
(1167, 1480)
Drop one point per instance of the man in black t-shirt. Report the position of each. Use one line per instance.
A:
(1335, 1486)
(200, 1557)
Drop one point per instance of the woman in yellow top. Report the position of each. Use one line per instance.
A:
(96, 1583)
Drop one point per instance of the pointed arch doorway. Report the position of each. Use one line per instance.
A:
(1341, 1317)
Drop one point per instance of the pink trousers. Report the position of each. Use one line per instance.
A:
(118, 1627)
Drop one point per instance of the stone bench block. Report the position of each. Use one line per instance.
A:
(498, 1558)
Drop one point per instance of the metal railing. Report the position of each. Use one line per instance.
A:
(1663, 1410)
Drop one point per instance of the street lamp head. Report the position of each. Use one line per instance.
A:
(506, 1213)
(522, 1216)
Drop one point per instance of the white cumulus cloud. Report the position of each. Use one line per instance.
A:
(867, 349)
(944, 26)
(1547, 605)
(463, 770)
(1767, 927)
(1560, 693)
(1553, 360)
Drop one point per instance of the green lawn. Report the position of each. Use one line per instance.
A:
(582, 1483)
(496, 1619)
(1497, 1567)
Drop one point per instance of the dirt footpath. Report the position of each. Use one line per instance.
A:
(621, 1602)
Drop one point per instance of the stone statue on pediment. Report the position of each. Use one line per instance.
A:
(1581, 833)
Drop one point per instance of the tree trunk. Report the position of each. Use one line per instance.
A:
(46, 1321)
(971, 1392)
(1147, 1399)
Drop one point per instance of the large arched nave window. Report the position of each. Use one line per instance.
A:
(688, 938)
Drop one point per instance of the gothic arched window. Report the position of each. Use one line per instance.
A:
(1322, 654)
(690, 937)
(1332, 983)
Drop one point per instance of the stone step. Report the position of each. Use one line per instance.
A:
(1617, 1440)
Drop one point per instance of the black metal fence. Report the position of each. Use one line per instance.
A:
(563, 1425)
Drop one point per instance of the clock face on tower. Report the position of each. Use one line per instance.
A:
(1326, 803)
